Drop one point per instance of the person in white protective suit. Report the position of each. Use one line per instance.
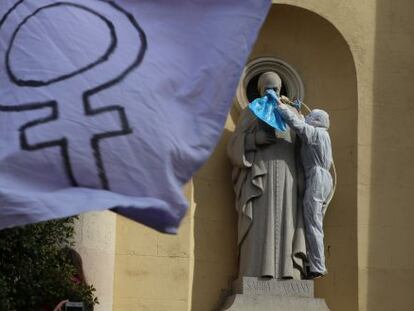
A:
(316, 154)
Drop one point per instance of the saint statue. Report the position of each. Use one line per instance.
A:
(268, 178)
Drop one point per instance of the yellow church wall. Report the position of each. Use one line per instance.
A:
(387, 233)
(215, 230)
(356, 60)
(379, 34)
(153, 271)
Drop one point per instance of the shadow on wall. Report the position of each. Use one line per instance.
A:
(215, 231)
(387, 264)
(322, 57)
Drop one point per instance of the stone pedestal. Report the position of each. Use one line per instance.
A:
(256, 294)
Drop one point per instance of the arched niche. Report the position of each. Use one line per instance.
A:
(322, 58)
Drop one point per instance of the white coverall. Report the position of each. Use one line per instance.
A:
(316, 154)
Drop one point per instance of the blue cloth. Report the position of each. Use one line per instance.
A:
(114, 104)
(264, 108)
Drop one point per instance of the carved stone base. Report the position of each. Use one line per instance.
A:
(256, 294)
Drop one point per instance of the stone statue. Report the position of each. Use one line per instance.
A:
(267, 179)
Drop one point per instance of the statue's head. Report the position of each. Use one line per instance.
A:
(269, 80)
(318, 118)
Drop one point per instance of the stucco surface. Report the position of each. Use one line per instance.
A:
(356, 60)
(380, 36)
(153, 271)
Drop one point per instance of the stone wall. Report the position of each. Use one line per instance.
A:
(355, 58)
(153, 271)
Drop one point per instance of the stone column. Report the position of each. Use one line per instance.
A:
(95, 242)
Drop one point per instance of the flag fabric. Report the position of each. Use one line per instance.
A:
(114, 104)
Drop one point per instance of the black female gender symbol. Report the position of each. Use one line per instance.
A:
(125, 52)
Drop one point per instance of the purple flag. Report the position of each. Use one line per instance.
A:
(114, 104)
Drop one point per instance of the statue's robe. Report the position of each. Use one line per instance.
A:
(270, 226)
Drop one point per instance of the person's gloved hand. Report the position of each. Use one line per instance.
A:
(264, 137)
(297, 104)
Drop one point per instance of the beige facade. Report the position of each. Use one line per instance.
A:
(356, 59)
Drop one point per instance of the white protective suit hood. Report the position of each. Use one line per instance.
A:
(318, 118)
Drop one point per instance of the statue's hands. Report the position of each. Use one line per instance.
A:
(264, 137)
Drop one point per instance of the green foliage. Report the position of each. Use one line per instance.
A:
(33, 273)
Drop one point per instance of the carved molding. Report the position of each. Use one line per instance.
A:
(289, 75)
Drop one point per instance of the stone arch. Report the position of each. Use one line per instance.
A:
(292, 86)
(323, 59)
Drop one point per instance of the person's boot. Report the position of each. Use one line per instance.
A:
(314, 275)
